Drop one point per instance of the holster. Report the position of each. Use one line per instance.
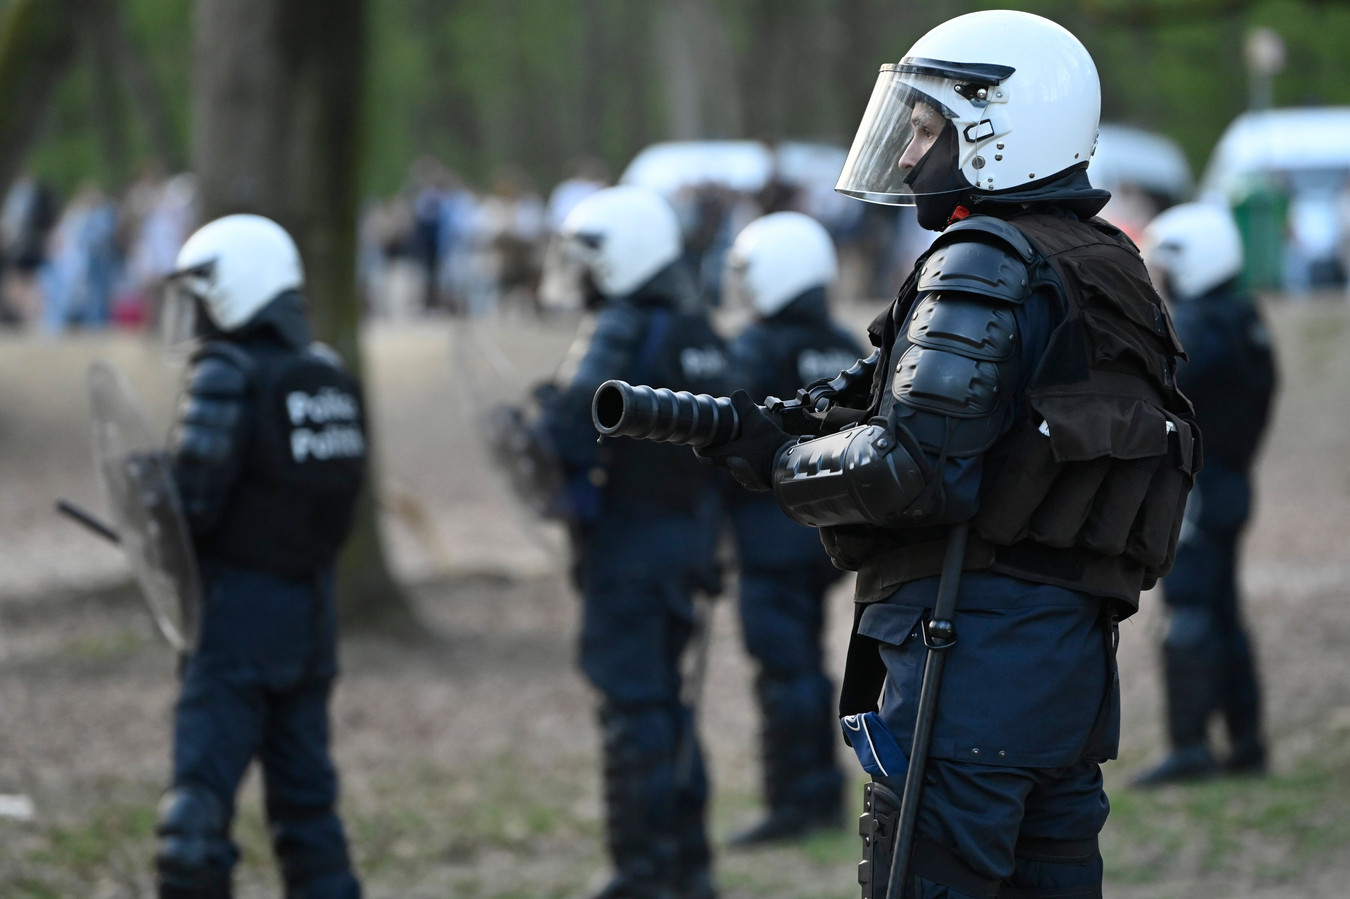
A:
(878, 827)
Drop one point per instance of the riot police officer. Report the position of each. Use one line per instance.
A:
(1194, 253)
(1022, 392)
(780, 266)
(643, 526)
(268, 453)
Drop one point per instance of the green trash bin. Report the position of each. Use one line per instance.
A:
(1261, 208)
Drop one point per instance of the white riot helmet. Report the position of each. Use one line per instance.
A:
(620, 236)
(236, 265)
(1021, 95)
(776, 259)
(1192, 248)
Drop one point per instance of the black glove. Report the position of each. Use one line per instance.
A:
(750, 456)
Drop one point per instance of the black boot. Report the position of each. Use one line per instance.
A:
(1248, 752)
(1192, 696)
(803, 787)
(1191, 763)
(1242, 710)
(639, 749)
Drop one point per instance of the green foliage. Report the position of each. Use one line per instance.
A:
(484, 83)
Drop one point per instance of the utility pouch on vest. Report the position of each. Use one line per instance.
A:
(1153, 540)
(1105, 473)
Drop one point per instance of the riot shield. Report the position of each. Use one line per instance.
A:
(498, 406)
(145, 507)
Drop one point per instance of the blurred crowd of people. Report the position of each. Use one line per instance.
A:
(442, 246)
(96, 261)
(439, 245)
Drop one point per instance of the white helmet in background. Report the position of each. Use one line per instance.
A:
(236, 265)
(776, 259)
(620, 236)
(1020, 92)
(1192, 248)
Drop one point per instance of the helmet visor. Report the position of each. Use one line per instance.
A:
(565, 281)
(736, 290)
(902, 123)
(181, 318)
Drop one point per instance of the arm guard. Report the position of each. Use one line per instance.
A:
(862, 475)
(953, 371)
(210, 436)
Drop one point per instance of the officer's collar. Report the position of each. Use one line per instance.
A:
(1069, 191)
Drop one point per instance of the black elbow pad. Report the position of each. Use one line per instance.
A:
(862, 475)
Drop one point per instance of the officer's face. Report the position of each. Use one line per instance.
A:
(927, 123)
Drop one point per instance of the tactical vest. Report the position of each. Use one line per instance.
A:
(680, 351)
(1086, 489)
(292, 505)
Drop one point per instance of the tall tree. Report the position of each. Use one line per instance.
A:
(276, 131)
(37, 45)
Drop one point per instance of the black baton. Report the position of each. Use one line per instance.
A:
(939, 635)
(70, 510)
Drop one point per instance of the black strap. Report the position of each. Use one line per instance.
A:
(1062, 852)
(1082, 891)
(933, 862)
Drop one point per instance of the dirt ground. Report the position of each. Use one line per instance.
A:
(469, 761)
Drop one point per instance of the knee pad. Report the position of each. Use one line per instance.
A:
(194, 850)
(1056, 869)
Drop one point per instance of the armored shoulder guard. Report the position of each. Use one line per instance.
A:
(958, 361)
(212, 427)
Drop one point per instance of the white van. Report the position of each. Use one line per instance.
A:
(1302, 155)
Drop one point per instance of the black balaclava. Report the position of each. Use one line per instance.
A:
(937, 182)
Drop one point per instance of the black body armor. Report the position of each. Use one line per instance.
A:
(270, 454)
(1085, 490)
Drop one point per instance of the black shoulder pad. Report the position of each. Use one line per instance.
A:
(984, 228)
(220, 369)
(974, 267)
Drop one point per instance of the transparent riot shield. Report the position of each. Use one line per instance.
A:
(145, 506)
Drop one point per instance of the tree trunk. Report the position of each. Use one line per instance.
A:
(37, 45)
(276, 131)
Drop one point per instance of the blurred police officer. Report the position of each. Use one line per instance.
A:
(1194, 253)
(643, 522)
(780, 267)
(268, 453)
(1023, 387)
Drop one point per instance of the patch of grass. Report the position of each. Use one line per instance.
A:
(1207, 828)
(99, 647)
(113, 843)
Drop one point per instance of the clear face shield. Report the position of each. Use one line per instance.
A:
(181, 316)
(903, 125)
(736, 292)
(565, 282)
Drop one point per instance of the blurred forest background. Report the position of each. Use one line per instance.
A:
(478, 83)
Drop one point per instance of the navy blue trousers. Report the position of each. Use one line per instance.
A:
(1029, 708)
(638, 576)
(258, 688)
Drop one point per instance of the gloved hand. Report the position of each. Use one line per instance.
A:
(750, 456)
